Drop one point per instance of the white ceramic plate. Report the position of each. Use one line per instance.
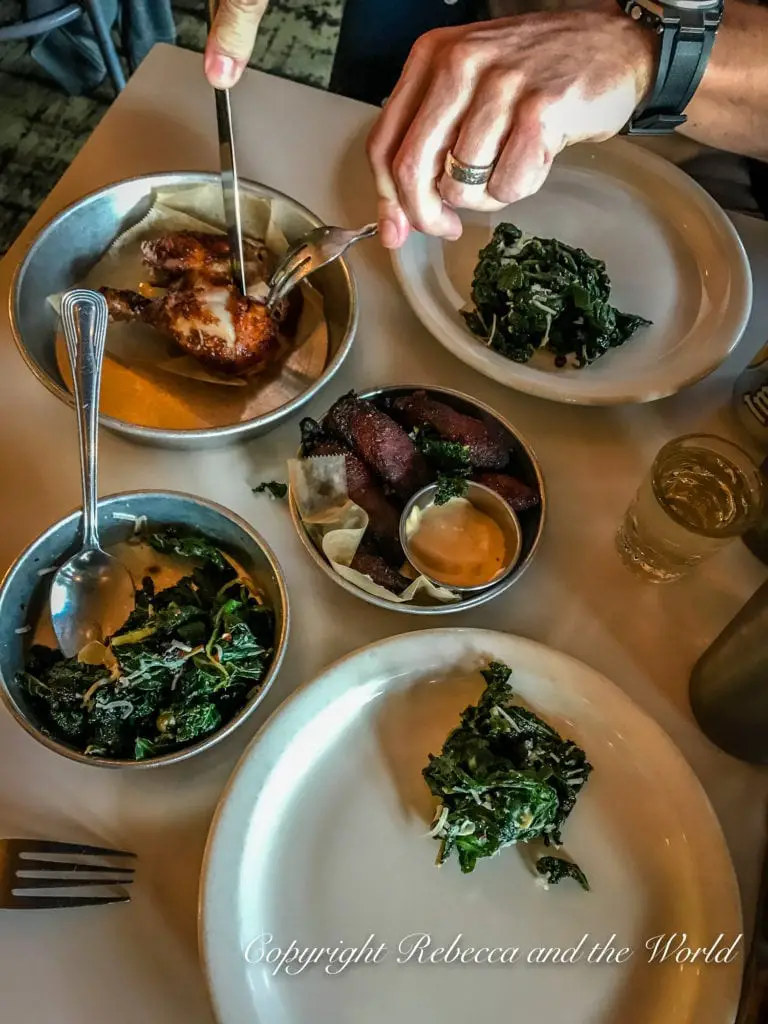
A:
(320, 840)
(672, 254)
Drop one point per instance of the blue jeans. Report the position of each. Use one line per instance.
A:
(376, 38)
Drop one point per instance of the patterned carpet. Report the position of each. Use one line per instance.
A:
(42, 128)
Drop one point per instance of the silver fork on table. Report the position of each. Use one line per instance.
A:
(317, 249)
(27, 878)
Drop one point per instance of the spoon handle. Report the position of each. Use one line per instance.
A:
(84, 317)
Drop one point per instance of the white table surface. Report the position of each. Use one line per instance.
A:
(139, 961)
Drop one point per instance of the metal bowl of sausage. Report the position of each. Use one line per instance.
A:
(71, 244)
(519, 475)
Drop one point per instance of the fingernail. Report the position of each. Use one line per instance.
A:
(222, 71)
(389, 234)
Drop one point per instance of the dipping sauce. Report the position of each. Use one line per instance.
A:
(456, 543)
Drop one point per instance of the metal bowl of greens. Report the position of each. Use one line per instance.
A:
(194, 660)
(518, 475)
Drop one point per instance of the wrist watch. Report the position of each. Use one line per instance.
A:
(686, 30)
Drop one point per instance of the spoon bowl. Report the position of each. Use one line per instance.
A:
(93, 593)
(91, 597)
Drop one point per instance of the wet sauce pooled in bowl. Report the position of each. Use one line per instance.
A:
(456, 543)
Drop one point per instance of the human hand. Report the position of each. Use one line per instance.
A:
(231, 40)
(513, 93)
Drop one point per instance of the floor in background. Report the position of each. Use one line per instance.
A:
(41, 128)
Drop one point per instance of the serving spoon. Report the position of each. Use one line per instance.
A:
(93, 593)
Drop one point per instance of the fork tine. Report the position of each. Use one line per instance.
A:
(288, 266)
(290, 256)
(20, 882)
(21, 846)
(63, 867)
(57, 902)
(280, 288)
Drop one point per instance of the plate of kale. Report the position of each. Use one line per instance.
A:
(504, 777)
(620, 281)
(538, 295)
(486, 814)
(198, 648)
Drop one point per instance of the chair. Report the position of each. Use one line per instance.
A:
(63, 16)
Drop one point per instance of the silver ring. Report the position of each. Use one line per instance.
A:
(467, 174)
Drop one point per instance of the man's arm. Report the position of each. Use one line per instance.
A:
(730, 108)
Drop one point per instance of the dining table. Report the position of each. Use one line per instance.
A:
(140, 960)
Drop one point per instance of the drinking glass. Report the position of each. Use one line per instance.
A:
(701, 492)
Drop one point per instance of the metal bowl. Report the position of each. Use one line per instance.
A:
(484, 500)
(23, 594)
(67, 248)
(527, 468)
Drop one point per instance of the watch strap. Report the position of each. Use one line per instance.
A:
(686, 39)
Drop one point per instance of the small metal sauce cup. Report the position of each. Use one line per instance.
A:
(484, 500)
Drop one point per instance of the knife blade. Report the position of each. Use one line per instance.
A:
(230, 185)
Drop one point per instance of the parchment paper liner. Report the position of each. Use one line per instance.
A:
(145, 379)
(336, 526)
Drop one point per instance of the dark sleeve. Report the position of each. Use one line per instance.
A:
(377, 35)
(758, 174)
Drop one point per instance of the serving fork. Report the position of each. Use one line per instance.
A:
(27, 878)
(317, 249)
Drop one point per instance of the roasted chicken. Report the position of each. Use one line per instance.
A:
(201, 310)
(195, 253)
(225, 331)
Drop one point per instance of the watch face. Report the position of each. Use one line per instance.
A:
(691, 5)
(660, 7)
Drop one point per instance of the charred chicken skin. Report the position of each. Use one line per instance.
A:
(227, 332)
(171, 257)
(201, 311)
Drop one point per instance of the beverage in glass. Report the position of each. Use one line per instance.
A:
(701, 492)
